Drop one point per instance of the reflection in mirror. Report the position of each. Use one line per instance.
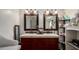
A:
(50, 22)
(30, 22)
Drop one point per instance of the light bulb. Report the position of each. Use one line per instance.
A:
(47, 12)
(26, 11)
(56, 12)
(31, 11)
(35, 12)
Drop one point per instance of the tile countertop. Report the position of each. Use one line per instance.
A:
(39, 36)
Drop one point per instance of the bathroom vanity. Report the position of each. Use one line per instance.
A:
(39, 41)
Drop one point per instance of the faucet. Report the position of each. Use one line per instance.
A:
(39, 32)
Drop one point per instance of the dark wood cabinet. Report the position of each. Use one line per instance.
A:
(39, 43)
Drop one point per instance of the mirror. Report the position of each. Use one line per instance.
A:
(30, 22)
(50, 22)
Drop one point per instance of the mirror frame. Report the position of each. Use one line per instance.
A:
(44, 21)
(37, 22)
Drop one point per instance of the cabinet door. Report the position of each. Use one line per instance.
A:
(53, 44)
(40, 44)
(35, 44)
(43, 44)
(26, 44)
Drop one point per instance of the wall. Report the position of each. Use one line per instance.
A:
(8, 18)
(71, 12)
(40, 11)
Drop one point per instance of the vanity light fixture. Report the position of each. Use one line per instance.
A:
(33, 11)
